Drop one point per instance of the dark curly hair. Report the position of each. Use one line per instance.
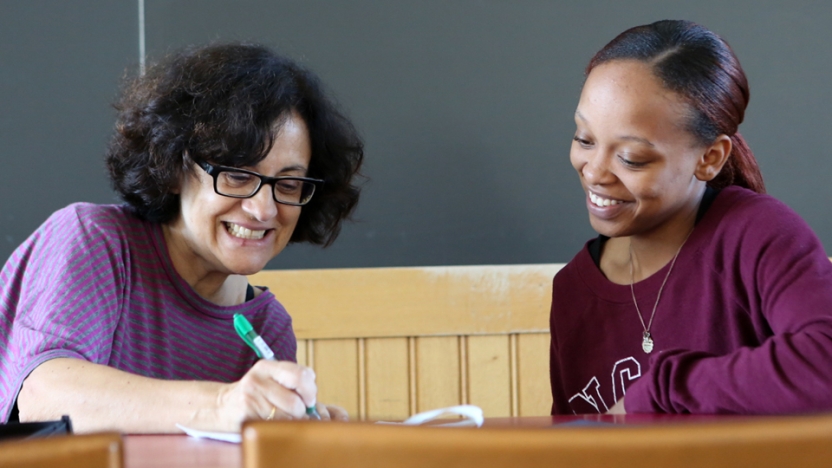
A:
(223, 103)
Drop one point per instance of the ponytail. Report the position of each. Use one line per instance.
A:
(741, 168)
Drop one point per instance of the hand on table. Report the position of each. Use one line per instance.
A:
(332, 412)
(269, 390)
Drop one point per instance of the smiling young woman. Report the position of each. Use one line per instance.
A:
(121, 316)
(701, 294)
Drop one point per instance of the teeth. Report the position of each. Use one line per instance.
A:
(598, 201)
(244, 233)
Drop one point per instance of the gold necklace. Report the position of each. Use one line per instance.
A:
(646, 339)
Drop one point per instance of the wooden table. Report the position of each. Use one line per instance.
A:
(181, 451)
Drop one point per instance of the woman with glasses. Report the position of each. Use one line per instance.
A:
(122, 316)
(701, 294)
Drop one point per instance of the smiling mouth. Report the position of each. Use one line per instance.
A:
(601, 201)
(243, 233)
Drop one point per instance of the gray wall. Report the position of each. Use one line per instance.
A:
(465, 105)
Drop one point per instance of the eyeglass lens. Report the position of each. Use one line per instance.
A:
(241, 184)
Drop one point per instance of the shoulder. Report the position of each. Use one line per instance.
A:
(567, 275)
(737, 205)
(740, 216)
(757, 234)
(273, 308)
(266, 303)
(84, 232)
(97, 223)
(92, 215)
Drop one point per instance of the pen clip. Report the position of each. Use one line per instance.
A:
(244, 329)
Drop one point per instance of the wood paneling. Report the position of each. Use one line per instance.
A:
(388, 379)
(301, 355)
(489, 377)
(336, 367)
(535, 395)
(389, 342)
(437, 370)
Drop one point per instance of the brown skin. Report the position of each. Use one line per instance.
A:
(212, 261)
(633, 153)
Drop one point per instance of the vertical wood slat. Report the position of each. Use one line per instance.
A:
(489, 374)
(463, 370)
(413, 394)
(300, 357)
(437, 369)
(336, 367)
(535, 393)
(512, 360)
(362, 379)
(388, 386)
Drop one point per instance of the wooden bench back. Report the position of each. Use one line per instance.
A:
(804, 442)
(389, 342)
(104, 450)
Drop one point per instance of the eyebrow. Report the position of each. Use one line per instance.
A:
(296, 167)
(644, 141)
(641, 140)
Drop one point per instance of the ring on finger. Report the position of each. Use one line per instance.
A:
(271, 414)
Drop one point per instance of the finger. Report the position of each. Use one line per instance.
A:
(288, 404)
(295, 377)
(264, 394)
(307, 388)
(253, 396)
(323, 411)
(336, 413)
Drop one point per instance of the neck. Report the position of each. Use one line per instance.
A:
(655, 262)
(219, 288)
(652, 249)
(650, 253)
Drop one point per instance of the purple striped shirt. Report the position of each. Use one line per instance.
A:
(96, 283)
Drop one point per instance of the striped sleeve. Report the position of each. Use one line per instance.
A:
(60, 295)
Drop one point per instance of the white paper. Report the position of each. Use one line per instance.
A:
(233, 437)
(471, 413)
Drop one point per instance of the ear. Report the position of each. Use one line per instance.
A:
(714, 157)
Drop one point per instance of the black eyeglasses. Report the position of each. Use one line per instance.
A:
(240, 183)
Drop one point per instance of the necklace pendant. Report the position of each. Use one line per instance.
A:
(647, 342)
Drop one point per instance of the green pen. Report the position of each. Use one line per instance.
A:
(255, 341)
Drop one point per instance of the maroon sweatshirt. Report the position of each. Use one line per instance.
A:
(744, 324)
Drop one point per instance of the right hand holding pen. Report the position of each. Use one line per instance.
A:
(269, 390)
